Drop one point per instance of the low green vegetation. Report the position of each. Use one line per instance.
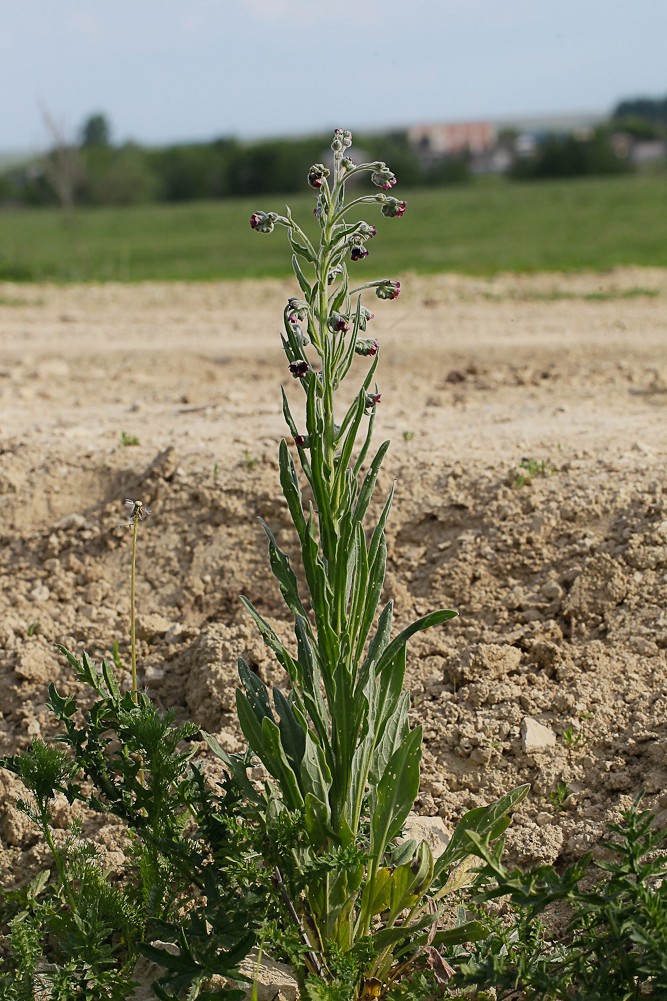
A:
(298, 845)
(490, 226)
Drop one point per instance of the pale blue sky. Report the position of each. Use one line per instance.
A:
(170, 70)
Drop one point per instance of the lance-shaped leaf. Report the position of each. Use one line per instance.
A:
(237, 765)
(396, 792)
(377, 566)
(369, 481)
(426, 622)
(359, 590)
(394, 731)
(389, 686)
(271, 639)
(311, 678)
(488, 821)
(257, 691)
(282, 571)
(289, 482)
(315, 772)
(292, 733)
(301, 278)
(376, 895)
(276, 763)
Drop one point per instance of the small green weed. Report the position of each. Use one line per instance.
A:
(574, 738)
(128, 440)
(614, 945)
(559, 796)
(249, 461)
(530, 468)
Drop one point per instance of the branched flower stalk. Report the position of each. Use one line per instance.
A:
(343, 760)
(137, 512)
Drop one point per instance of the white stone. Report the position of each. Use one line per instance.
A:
(432, 830)
(271, 980)
(535, 736)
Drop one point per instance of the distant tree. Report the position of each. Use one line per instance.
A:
(394, 148)
(449, 170)
(571, 156)
(647, 109)
(122, 176)
(62, 165)
(96, 131)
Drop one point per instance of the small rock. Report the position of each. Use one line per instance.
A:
(152, 626)
(53, 368)
(40, 593)
(535, 736)
(432, 830)
(271, 981)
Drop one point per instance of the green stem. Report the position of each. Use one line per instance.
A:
(57, 858)
(133, 634)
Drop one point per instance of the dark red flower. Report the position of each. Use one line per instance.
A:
(299, 369)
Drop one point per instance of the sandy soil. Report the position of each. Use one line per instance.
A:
(559, 574)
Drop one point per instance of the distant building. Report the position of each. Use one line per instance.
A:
(452, 139)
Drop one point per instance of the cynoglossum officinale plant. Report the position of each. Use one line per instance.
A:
(343, 760)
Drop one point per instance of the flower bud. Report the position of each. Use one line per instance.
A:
(346, 163)
(388, 290)
(297, 309)
(299, 369)
(383, 177)
(393, 208)
(372, 400)
(343, 136)
(337, 323)
(301, 440)
(263, 222)
(366, 231)
(316, 175)
(364, 316)
(365, 347)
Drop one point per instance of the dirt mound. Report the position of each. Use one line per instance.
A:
(529, 442)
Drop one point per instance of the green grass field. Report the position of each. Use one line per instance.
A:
(488, 226)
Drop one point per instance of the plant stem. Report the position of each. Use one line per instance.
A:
(133, 633)
(57, 858)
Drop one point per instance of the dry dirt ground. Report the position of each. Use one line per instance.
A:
(557, 567)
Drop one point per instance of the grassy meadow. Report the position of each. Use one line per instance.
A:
(489, 226)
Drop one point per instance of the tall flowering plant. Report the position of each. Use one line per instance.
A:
(343, 759)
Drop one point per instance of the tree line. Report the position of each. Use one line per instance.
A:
(95, 171)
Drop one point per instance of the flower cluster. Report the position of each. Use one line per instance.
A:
(317, 174)
(263, 222)
(383, 177)
(342, 140)
(366, 347)
(297, 309)
(393, 208)
(364, 316)
(299, 369)
(337, 323)
(388, 290)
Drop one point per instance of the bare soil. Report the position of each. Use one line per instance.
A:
(529, 439)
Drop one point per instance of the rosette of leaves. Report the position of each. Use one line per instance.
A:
(342, 758)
